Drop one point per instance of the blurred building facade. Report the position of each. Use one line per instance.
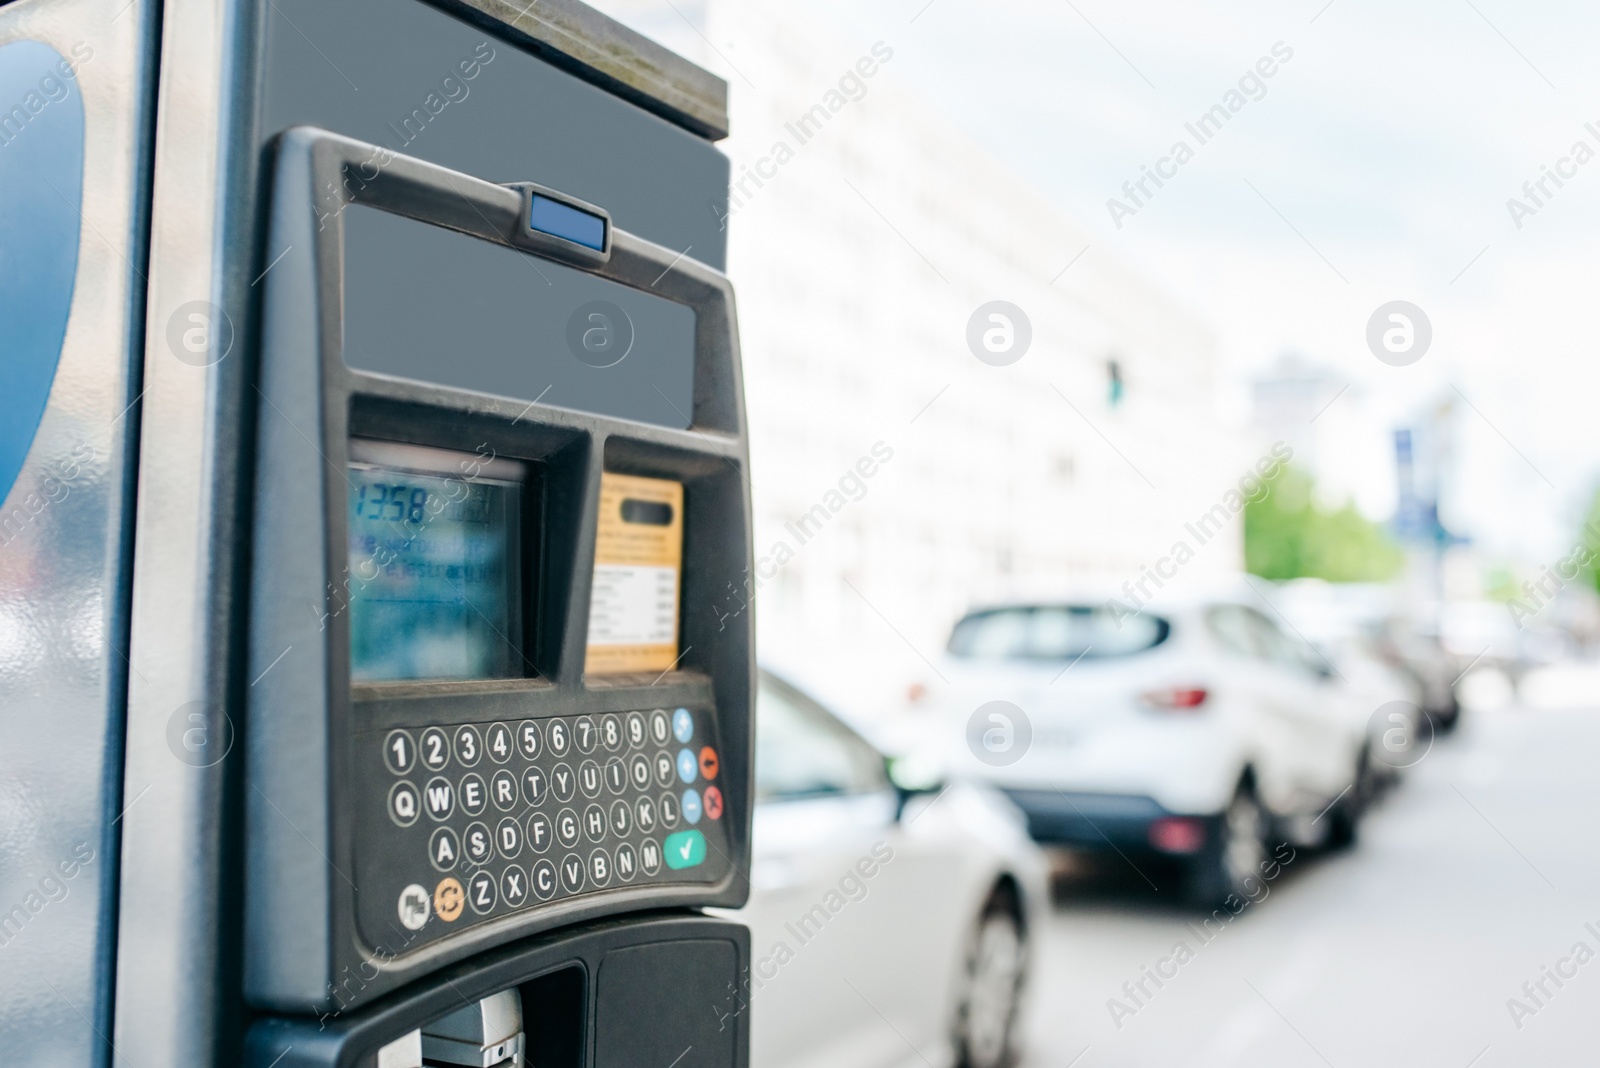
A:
(864, 232)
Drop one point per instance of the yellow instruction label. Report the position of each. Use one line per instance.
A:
(638, 558)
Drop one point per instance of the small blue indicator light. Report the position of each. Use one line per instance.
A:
(564, 221)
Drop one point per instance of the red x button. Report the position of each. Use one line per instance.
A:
(712, 799)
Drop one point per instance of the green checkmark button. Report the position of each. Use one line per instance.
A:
(684, 849)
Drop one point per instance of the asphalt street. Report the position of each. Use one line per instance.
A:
(1473, 877)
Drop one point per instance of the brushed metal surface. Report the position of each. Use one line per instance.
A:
(63, 574)
(170, 980)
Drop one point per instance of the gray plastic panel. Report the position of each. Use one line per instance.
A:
(308, 729)
(646, 1011)
(599, 49)
(433, 305)
(390, 72)
(643, 985)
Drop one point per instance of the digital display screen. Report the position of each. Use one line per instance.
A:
(434, 584)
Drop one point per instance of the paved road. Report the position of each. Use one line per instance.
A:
(1481, 870)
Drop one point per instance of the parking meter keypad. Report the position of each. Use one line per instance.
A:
(483, 820)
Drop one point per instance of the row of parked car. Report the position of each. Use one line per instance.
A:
(890, 921)
(894, 898)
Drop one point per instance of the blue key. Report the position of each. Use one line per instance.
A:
(682, 725)
(691, 805)
(687, 768)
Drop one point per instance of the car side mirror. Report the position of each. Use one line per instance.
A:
(913, 776)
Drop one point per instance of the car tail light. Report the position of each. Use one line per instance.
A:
(1178, 834)
(1177, 698)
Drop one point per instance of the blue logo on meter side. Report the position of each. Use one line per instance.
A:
(41, 171)
(682, 726)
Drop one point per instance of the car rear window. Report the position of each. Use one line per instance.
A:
(1055, 632)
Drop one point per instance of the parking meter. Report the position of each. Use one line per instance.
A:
(432, 739)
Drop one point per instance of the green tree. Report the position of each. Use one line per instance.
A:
(1287, 536)
(1589, 537)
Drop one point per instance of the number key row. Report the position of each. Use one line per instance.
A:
(467, 743)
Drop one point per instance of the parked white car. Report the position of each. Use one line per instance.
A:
(1385, 654)
(889, 926)
(1199, 729)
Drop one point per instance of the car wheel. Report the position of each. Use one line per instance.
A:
(992, 986)
(1344, 821)
(1449, 716)
(1236, 854)
(1344, 815)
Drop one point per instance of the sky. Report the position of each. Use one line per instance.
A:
(1375, 166)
